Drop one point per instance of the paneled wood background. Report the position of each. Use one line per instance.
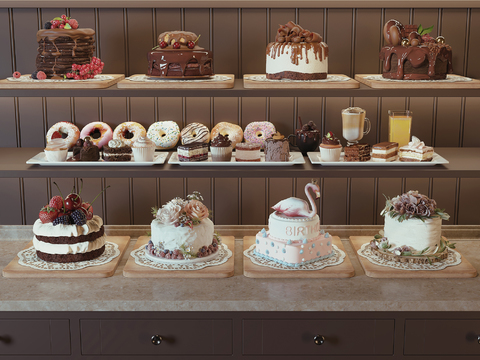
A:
(238, 38)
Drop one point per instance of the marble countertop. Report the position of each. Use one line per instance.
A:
(239, 293)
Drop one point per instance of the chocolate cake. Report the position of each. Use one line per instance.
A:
(116, 151)
(177, 55)
(357, 152)
(85, 150)
(192, 152)
(277, 148)
(59, 49)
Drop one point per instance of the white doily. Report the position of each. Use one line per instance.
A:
(224, 253)
(454, 258)
(329, 78)
(145, 78)
(336, 259)
(28, 257)
(449, 79)
(28, 79)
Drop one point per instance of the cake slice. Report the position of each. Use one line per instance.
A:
(416, 150)
(385, 151)
(192, 152)
(357, 152)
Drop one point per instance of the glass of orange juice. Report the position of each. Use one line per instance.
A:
(399, 126)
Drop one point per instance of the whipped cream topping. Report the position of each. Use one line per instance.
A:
(415, 144)
(143, 142)
(48, 229)
(78, 248)
(56, 144)
(115, 143)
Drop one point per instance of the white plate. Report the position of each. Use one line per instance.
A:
(315, 159)
(40, 159)
(295, 158)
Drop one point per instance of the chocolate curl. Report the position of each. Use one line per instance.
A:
(290, 25)
(315, 37)
(296, 39)
(283, 30)
(280, 39)
(296, 30)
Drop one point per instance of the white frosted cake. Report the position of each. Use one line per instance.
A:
(296, 54)
(294, 237)
(182, 230)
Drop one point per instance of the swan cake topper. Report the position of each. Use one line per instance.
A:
(295, 207)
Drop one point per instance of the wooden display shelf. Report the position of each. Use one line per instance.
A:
(251, 270)
(462, 270)
(133, 270)
(269, 84)
(179, 84)
(15, 270)
(406, 85)
(61, 85)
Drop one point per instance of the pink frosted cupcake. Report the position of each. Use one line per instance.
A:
(330, 148)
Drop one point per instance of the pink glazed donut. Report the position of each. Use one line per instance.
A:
(258, 131)
(99, 131)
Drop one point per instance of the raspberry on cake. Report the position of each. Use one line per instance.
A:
(296, 54)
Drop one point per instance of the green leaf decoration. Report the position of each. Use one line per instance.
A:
(420, 29)
(149, 233)
(58, 18)
(155, 47)
(427, 30)
(67, 26)
(378, 236)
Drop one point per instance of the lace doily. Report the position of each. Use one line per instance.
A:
(449, 79)
(145, 78)
(454, 258)
(28, 257)
(336, 259)
(28, 79)
(330, 78)
(224, 253)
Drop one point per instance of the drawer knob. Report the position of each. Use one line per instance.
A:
(156, 339)
(318, 339)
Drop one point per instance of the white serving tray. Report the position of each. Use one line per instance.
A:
(295, 159)
(315, 159)
(40, 159)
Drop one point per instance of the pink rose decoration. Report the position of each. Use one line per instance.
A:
(196, 210)
(169, 213)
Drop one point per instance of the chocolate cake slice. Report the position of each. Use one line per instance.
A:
(192, 152)
(357, 152)
(123, 153)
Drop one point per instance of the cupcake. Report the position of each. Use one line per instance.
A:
(56, 150)
(143, 149)
(330, 148)
(221, 148)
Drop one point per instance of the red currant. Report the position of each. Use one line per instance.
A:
(163, 44)
(176, 45)
(191, 44)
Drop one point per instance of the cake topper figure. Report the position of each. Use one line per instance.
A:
(295, 207)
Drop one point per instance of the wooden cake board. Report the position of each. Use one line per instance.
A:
(254, 84)
(67, 84)
(462, 270)
(377, 84)
(184, 84)
(251, 270)
(224, 270)
(15, 270)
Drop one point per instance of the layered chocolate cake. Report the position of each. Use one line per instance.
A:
(116, 150)
(412, 54)
(296, 54)
(178, 55)
(192, 152)
(277, 148)
(357, 152)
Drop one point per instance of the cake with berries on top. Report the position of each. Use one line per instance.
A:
(62, 44)
(182, 230)
(178, 55)
(67, 231)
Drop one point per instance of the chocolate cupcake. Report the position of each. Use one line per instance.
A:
(221, 148)
(330, 148)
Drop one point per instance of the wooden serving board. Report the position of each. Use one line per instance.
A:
(378, 84)
(224, 270)
(462, 270)
(15, 270)
(67, 84)
(175, 84)
(251, 270)
(256, 84)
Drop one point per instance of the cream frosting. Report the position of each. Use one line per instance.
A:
(115, 143)
(143, 142)
(415, 144)
(49, 229)
(56, 144)
(286, 228)
(63, 249)
(283, 62)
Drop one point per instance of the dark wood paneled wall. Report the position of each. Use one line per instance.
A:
(238, 38)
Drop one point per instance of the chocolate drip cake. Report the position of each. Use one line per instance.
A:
(178, 55)
(59, 49)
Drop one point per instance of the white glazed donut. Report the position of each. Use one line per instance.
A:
(95, 128)
(258, 131)
(195, 132)
(129, 132)
(65, 128)
(165, 134)
(234, 132)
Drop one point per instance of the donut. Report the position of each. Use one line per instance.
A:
(258, 131)
(195, 132)
(165, 134)
(234, 132)
(99, 132)
(67, 129)
(129, 132)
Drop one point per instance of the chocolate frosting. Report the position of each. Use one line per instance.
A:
(221, 141)
(182, 37)
(291, 32)
(330, 139)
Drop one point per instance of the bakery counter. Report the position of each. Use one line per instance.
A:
(239, 293)
(463, 163)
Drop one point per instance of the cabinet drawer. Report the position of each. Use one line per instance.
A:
(178, 337)
(34, 337)
(442, 337)
(296, 337)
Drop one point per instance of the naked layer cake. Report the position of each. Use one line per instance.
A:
(416, 150)
(385, 151)
(247, 152)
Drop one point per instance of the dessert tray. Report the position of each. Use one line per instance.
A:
(296, 158)
(333, 81)
(141, 81)
(376, 81)
(26, 82)
(316, 159)
(40, 159)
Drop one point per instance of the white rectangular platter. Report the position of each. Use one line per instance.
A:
(39, 159)
(315, 159)
(295, 159)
